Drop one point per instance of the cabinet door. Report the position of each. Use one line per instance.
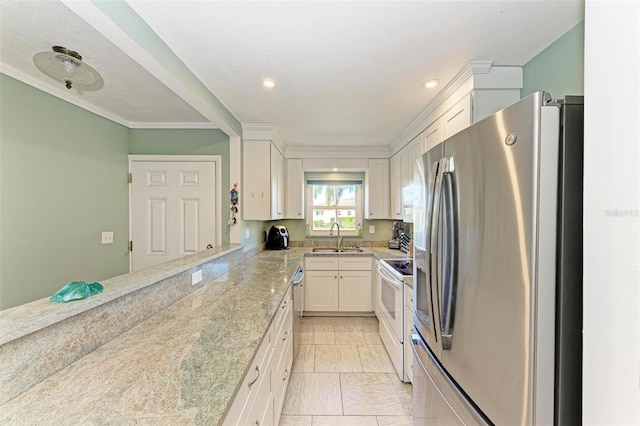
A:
(321, 291)
(408, 354)
(277, 183)
(294, 189)
(457, 118)
(255, 203)
(396, 187)
(415, 152)
(408, 325)
(432, 135)
(355, 291)
(377, 201)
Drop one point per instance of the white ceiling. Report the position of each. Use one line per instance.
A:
(349, 73)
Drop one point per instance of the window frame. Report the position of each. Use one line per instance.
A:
(359, 208)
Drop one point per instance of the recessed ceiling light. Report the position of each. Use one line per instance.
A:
(268, 83)
(430, 84)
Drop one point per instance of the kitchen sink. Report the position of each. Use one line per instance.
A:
(335, 250)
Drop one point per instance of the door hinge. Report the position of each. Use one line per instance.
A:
(131, 245)
(130, 177)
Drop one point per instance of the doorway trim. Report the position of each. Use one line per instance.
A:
(216, 159)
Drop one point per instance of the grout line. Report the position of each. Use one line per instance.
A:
(341, 398)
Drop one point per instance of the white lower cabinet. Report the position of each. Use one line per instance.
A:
(408, 325)
(338, 284)
(261, 395)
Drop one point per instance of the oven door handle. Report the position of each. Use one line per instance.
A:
(389, 278)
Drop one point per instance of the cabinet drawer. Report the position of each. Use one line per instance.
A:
(354, 263)
(283, 310)
(280, 380)
(283, 337)
(408, 297)
(321, 263)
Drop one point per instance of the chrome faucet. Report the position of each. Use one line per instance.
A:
(339, 237)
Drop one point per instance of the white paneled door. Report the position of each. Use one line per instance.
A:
(172, 210)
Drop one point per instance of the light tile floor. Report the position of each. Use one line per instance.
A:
(343, 376)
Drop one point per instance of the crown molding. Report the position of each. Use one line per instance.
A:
(419, 123)
(476, 75)
(73, 99)
(205, 125)
(264, 132)
(67, 96)
(336, 152)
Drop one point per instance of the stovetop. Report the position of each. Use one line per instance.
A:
(402, 266)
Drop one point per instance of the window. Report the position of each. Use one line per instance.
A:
(333, 199)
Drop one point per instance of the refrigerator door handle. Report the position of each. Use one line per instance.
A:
(435, 209)
(447, 302)
(434, 249)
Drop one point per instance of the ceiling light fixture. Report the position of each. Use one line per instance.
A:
(268, 83)
(66, 66)
(430, 84)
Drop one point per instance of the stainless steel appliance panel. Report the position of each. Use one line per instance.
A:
(436, 399)
(426, 308)
(493, 199)
(501, 265)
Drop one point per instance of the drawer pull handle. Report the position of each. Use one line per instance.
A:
(286, 335)
(286, 374)
(257, 375)
(284, 305)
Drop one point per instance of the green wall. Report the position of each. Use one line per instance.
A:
(63, 180)
(559, 68)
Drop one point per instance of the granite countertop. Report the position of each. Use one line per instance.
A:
(180, 366)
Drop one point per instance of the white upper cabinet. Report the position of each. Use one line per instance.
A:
(262, 193)
(294, 189)
(416, 149)
(396, 185)
(377, 189)
(277, 183)
(432, 135)
(457, 118)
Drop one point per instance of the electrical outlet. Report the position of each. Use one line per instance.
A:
(107, 237)
(372, 229)
(247, 234)
(196, 277)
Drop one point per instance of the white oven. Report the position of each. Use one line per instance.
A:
(391, 310)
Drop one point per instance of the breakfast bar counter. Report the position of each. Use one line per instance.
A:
(181, 365)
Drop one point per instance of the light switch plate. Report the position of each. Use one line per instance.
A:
(196, 277)
(107, 237)
(372, 229)
(247, 234)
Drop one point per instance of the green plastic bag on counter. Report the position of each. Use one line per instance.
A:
(76, 290)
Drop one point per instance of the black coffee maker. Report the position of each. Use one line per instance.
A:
(278, 238)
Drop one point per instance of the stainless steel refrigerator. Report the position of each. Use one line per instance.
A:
(498, 270)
